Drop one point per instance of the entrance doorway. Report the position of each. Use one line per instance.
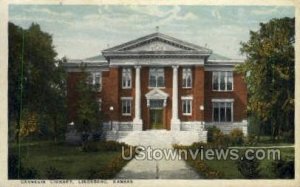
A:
(156, 119)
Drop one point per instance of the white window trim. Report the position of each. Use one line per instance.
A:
(130, 71)
(123, 99)
(219, 81)
(153, 87)
(92, 75)
(187, 87)
(187, 98)
(100, 104)
(223, 101)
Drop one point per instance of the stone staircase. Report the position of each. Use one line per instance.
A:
(156, 138)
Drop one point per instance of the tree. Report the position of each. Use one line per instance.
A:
(88, 114)
(35, 77)
(270, 75)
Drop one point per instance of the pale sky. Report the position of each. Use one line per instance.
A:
(81, 31)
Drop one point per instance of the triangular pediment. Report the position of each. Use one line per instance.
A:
(156, 94)
(157, 42)
(156, 45)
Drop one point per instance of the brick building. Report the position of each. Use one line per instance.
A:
(160, 82)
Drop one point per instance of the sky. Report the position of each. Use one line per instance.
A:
(82, 31)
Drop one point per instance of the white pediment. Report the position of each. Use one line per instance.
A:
(156, 94)
(155, 42)
(155, 46)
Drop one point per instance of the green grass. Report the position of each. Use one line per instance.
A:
(229, 168)
(74, 163)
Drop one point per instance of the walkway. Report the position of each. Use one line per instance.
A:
(156, 169)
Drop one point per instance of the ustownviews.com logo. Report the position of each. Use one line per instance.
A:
(149, 153)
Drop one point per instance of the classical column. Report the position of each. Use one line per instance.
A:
(137, 121)
(175, 122)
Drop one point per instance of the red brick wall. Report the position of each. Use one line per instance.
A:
(72, 96)
(201, 90)
(197, 91)
(239, 94)
(145, 89)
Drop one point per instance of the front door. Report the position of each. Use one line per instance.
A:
(156, 119)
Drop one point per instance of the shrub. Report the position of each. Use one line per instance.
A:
(212, 132)
(284, 169)
(251, 140)
(53, 173)
(97, 136)
(112, 146)
(113, 167)
(90, 147)
(236, 137)
(204, 169)
(249, 168)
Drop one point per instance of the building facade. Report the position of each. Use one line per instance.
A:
(160, 82)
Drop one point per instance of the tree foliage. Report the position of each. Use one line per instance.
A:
(88, 114)
(270, 74)
(35, 72)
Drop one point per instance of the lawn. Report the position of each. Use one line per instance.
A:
(229, 168)
(70, 160)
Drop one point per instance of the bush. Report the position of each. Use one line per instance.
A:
(94, 146)
(204, 169)
(251, 140)
(284, 169)
(97, 136)
(236, 137)
(249, 168)
(212, 132)
(112, 146)
(53, 173)
(115, 166)
(90, 147)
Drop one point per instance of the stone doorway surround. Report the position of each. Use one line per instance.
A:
(156, 100)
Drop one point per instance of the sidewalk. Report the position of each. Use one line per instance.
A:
(157, 169)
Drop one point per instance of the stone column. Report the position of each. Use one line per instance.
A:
(175, 122)
(137, 121)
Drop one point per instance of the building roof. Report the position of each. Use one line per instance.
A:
(157, 35)
(215, 56)
(155, 44)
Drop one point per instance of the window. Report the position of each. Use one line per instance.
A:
(186, 78)
(156, 103)
(95, 79)
(156, 77)
(100, 104)
(222, 111)
(187, 106)
(126, 106)
(126, 78)
(222, 81)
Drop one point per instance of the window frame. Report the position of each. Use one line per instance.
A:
(225, 102)
(126, 100)
(218, 74)
(91, 79)
(156, 77)
(185, 99)
(100, 105)
(187, 71)
(126, 76)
